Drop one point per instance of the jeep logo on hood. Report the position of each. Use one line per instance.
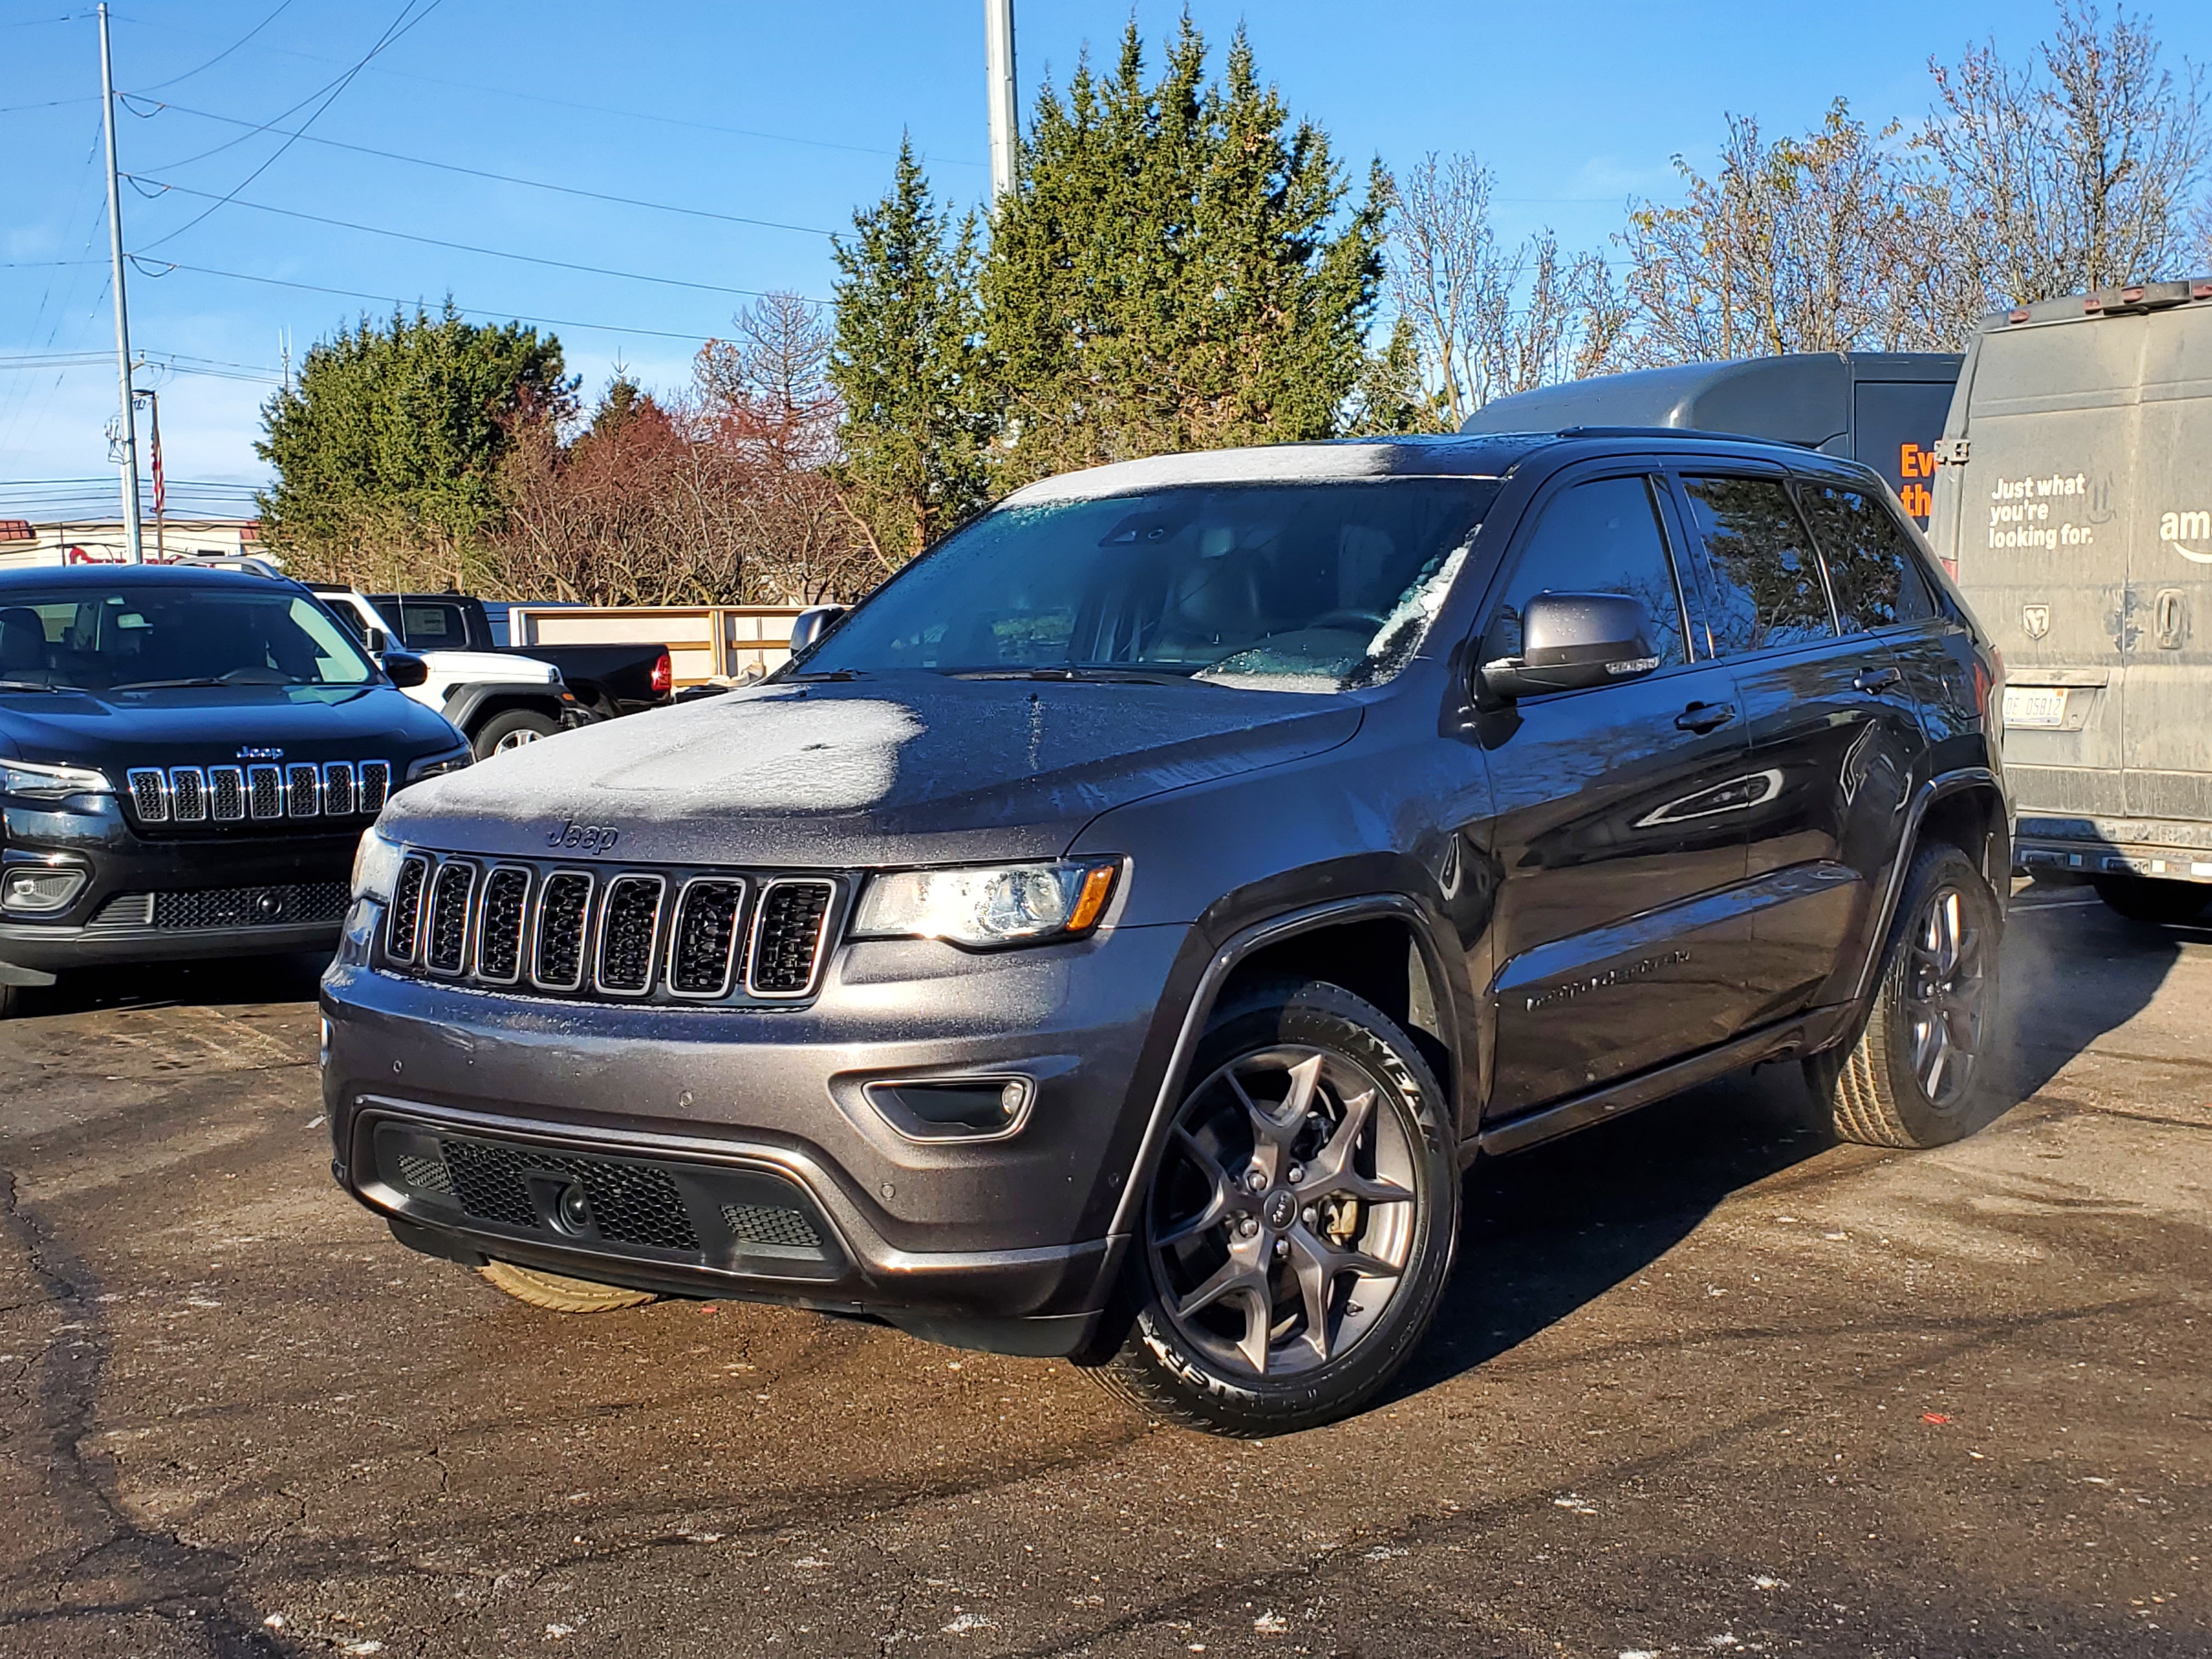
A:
(590, 839)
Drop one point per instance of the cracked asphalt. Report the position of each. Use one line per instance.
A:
(1708, 1383)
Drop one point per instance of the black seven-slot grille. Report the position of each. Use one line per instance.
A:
(610, 934)
(258, 794)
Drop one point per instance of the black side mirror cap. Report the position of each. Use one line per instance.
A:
(403, 669)
(808, 627)
(1571, 642)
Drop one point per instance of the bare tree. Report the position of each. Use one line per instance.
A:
(1813, 244)
(1490, 320)
(2075, 170)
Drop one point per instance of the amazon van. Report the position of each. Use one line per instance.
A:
(2076, 510)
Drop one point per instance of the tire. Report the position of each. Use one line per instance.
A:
(1918, 1073)
(511, 729)
(10, 998)
(557, 1293)
(2146, 898)
(1376, 1140)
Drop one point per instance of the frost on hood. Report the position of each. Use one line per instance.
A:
(767, 751)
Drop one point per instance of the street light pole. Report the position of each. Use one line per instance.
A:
(129, 427)
(998, 53)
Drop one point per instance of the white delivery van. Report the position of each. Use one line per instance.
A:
(2074, 506)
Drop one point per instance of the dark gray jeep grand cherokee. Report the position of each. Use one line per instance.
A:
(1115, 937)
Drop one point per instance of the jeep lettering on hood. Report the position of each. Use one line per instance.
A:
(899, 768)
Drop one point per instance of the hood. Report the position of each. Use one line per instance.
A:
(899, 769)
(207, 725)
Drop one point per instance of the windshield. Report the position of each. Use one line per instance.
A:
(1308, 588)
(133, 638)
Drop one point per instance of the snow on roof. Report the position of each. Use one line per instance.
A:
(1339, 460)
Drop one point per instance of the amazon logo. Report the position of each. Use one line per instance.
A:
(2176, 528)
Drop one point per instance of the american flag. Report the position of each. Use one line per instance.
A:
(160, 493)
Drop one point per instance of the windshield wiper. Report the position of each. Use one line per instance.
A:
(1094, 673)
(31, 685)
(165, 685)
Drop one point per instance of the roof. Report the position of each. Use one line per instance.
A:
(2105, 303)
(93, 576)
(1803, 398)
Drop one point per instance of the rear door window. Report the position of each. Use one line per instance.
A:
(1766, 587)
(1871, 569)
(1602, 537)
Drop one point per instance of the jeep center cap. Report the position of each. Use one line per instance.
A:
(1281, 1209)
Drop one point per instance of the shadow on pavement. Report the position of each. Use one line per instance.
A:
(224, 983)
(1552, 1229)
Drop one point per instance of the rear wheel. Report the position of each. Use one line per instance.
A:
(1299, 1228)
(558, 1293)
(511, 730)
(1919, 1074)
(2146, 898)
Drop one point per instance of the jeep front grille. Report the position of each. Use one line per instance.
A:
(636, 935)
(234, 794)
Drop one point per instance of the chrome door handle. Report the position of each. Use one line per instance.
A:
(1878, 679)
(1705, 716)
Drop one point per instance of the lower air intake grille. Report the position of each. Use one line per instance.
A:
(625, 1203)
(288, 906)
(764, 1224)
(426, 1174)
(787, 937)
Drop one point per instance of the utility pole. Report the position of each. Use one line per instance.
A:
(998, 52)
(128, 421)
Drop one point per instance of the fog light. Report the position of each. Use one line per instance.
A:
(39, 892)
(573, 1210)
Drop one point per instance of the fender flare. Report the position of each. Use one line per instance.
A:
(1233, 950)
(470, 702)
(1936, 788)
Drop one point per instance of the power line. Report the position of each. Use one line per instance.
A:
(398, 27)
(283, 6)
(436, 241)
(501, 177)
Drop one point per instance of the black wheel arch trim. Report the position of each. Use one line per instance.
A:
(1996, 858)
(475, 702)
(1232, 953)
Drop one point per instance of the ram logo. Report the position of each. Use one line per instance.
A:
(2175, 528)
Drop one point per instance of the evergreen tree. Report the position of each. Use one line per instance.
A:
(905, 367)
(1171, 273)
(390, 442)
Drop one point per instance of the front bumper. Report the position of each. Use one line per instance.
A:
(254, 894)
(1000, 1243)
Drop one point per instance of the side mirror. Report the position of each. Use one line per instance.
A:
(1571, 642)
(405, 669)
(377, 642)
(808, 627)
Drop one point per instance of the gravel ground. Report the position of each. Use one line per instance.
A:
(1707, 1383)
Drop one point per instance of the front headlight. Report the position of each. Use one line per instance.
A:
(376, 866)
(44, 783)
(436, 766)
(990, 904)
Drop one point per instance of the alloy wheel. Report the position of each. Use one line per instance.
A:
(1281, 1223)
(514, 740)
(1945, 997)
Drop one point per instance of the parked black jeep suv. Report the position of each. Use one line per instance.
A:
(188, 758)
(1115, 937)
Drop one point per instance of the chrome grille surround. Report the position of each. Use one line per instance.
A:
(187, 794)
(674, 937)
(150, 793)
(226, 795)
(265, 795)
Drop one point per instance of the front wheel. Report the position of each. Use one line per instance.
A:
(1918, 1073)
(511, 730)
(1297, 1230)
(2146, 898)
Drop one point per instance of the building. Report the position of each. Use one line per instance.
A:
(102, 541)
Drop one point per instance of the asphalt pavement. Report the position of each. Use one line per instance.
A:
(1708, 1383)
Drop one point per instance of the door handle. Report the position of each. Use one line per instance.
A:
(1878, 679)
(1705, 716)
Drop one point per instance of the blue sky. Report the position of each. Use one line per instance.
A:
(780, 113)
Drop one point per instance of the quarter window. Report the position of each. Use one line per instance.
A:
(1602, 537)
(1768, 591)
(1877, 581)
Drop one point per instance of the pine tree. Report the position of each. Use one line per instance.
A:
(1171, 273)
(905, 366)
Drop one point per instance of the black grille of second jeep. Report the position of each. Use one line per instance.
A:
(627, 1203)
(285, 906)
(634, 935)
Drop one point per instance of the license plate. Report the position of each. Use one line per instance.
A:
(2035, 705)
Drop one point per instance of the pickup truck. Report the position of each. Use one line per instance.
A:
(608, 680)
